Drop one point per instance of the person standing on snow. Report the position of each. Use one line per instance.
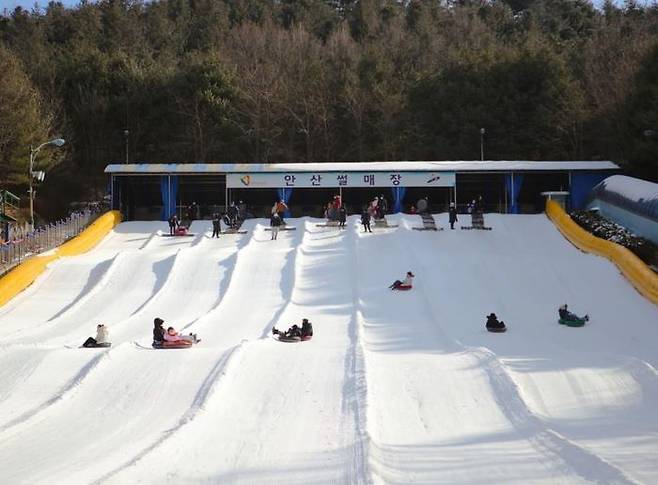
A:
(173, 224)
(342, 216)
(215, 224)
(452, 215)
(275, 223)
(421, 205)
(280, 208)
(365, 220)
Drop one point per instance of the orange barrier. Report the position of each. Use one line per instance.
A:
(632, 267)
(25, 273)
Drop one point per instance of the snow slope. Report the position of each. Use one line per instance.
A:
(395, 387)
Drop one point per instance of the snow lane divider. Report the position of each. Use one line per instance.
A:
(632, 267)
(25, 273)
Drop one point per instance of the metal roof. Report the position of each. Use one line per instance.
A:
(451, 166)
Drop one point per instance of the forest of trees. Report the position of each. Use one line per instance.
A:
(316, 80)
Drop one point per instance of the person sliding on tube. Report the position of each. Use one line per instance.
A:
(567, 315)
(493, 324)
(407, 283)
(173, 336)
(307, 329)
(293, 331)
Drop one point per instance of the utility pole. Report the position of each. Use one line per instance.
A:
(482, 132)
(126, 134)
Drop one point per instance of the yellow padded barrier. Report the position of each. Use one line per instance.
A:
(632, 267)
(25, 273)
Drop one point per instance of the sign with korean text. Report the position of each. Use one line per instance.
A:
(305, 180)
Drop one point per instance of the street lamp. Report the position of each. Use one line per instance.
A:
(482, 132)
(126, 133)
(40, 175)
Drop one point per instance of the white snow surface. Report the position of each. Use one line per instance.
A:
(632, 188)
(394, 387)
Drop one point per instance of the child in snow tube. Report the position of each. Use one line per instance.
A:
(571, 319)
(169, 339)
(493, 325)
(407, 284)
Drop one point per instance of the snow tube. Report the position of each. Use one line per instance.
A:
(181, 231)
(572, 323)
(180, 344)
(282, 338)
(403, 287)
(497, 329)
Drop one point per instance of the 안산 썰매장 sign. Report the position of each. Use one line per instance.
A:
(339, 179)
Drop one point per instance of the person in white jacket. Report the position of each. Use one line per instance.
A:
(406, 283)
(102, 334)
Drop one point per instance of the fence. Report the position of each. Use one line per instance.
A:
(23, 243)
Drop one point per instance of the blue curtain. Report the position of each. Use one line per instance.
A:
(581, 185)
(115, 190)
(513, 183)
(398, 197)
(169, 192)
(284, 194)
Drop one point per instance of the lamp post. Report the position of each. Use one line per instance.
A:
(482, 132)
(126, 134)
(39, 175)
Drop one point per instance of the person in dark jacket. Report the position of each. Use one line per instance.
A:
(173, 224)
(158, 331)
(567, 315)
(365, 220)
(307, 328)
(452, 215)
(493, 324)
(215, 225)
(292, 332)
(342, 216)
(478, 206)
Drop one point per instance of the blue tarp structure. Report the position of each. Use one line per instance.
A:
(513, 184)
(284, 194)
(169, 191)
(115, 190)
(581, 184)
(398, 197)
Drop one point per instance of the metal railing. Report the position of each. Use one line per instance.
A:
(24, 243)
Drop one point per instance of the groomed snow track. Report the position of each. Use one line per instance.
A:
(394, 388)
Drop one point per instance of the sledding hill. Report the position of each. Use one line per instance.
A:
(394, 387)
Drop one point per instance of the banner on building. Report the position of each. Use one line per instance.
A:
(309, 180)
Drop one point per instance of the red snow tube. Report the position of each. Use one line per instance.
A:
(180, 344)
(181, 231)
(403, 287)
